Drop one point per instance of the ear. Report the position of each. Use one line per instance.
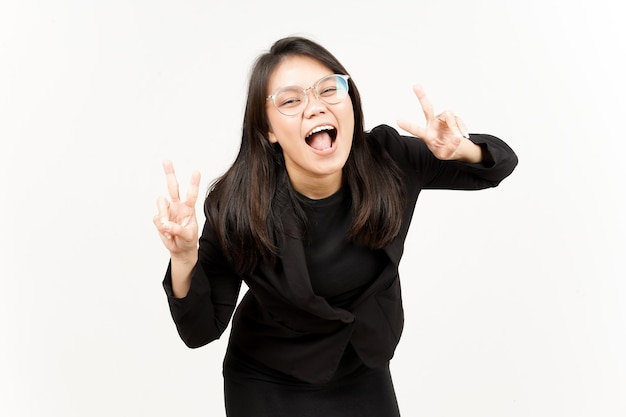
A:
(272, 137)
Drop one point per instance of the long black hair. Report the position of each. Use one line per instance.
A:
(242, 204)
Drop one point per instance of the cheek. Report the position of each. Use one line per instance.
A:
(348, 121)
(347, 113)
(283, 129)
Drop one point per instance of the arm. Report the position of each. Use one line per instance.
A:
(203, 314)
(484, 157)
(201, 288)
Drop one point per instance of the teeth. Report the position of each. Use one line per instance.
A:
(319, 129)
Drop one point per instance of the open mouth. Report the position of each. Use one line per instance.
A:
(322, 137)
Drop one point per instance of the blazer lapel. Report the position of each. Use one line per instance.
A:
(293, 276)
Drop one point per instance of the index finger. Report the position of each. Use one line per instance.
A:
(427, 106)
(192, 192)
(172, 182)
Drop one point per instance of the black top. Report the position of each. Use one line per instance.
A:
(339, 270)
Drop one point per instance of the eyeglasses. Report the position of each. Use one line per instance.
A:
(292, 100)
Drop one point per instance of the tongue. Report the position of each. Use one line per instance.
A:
(320, 141)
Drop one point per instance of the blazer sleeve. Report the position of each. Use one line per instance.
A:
(204, 313)
(413, 156)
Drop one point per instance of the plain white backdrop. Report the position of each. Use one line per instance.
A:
(515, 297)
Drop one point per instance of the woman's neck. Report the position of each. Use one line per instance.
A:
(319, 187)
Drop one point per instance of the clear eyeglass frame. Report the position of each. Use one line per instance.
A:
(293, 107)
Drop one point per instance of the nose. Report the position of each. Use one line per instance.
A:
(314, 104)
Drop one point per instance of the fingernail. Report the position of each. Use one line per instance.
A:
(163, 220)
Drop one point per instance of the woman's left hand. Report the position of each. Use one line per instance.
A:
(443, 134)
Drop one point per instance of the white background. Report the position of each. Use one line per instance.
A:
(515, 296)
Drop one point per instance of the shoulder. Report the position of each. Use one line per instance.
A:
(390, 138)
(405, 150)
(382, 133)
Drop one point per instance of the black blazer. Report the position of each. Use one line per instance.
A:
(280, 322)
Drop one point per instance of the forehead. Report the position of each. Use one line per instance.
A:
(297, 70)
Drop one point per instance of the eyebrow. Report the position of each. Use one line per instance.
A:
(303, 88)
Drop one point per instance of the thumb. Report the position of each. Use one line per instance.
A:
(187, 234)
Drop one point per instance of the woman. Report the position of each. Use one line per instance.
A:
(312, 215)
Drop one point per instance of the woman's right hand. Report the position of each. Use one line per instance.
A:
(176, 220)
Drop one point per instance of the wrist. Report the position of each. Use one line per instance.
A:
(182, 268)
(185, 258)
(469, 152)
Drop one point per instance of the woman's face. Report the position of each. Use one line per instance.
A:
(314, 161)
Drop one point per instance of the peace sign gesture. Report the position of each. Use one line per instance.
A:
(445, 134)
(176, 220)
